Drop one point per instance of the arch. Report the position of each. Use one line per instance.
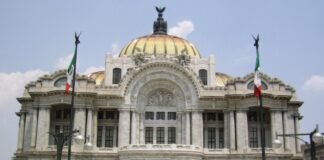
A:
(250, 85)
(165, 93)
(60, 82)
(181, 77)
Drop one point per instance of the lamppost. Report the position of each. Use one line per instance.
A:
(314, 137)
(62, 137)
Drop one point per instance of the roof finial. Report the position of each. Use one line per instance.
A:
(160, 26)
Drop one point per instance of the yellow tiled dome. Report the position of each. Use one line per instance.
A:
(160, 44)
(98, 76)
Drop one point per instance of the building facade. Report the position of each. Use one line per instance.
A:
(159, 99)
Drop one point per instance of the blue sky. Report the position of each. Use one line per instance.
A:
(36, 37)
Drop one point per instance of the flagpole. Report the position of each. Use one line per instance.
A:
(256, 44)
(77, 41)
(262, 128)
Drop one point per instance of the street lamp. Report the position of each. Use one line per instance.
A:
(62, 137)
(314, 137)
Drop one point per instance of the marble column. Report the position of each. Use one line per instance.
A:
(21, 134)
(79, 120)
(242, 130)
(134, 128)
(179, 128)
(79, 124)
(43, 128)
(288, 129)
(188, 128)
(183, 128)
(231, 130)
(141, 128)
(124, 127)
(89, 126)
(297, 131)
(34, 128)
(276, 126)
(94, 127)
(197, 128)
(226, 129)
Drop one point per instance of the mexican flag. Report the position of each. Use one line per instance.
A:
(69, 74)
(257, 79)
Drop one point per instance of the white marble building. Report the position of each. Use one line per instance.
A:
(158, 100)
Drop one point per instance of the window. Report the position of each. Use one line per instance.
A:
(203, 76)
(60, 121)
(211, 116)
(254, 131)
(109, 136)
(149, 115)
(171, 135)
(213, 129)
(250, 85)
(60, 82)
(211, 134)
(100, 115)
(220, 116)
(107, 128)
(116, 75)
(148, 135)
(99, 136)
(110, 115)
(172, 116)
(252, 116)
(221, 137)
(253, 137)
(160, 116)
(160, 135)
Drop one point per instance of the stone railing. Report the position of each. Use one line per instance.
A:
(174, 147)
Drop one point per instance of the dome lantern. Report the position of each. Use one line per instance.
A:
(160, 26)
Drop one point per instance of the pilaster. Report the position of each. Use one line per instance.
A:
(21, 133)
(124, 127)
(34, 128)
(43, 128)
(188, 128)
(89, 126)
(134, 128)
(242, 130)
(197, 128)
(231, 130)
(94, 127)
(276, 127)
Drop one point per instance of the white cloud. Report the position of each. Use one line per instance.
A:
(315, 83)
(182, 29)
(93, 69)
(114, 49)
(12, 85)
(63, 62)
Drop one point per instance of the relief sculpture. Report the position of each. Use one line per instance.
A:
(160, 98)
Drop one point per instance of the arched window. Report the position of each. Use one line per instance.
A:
(250, 85)
(203, 76)
(60, 82)
(116, 75)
